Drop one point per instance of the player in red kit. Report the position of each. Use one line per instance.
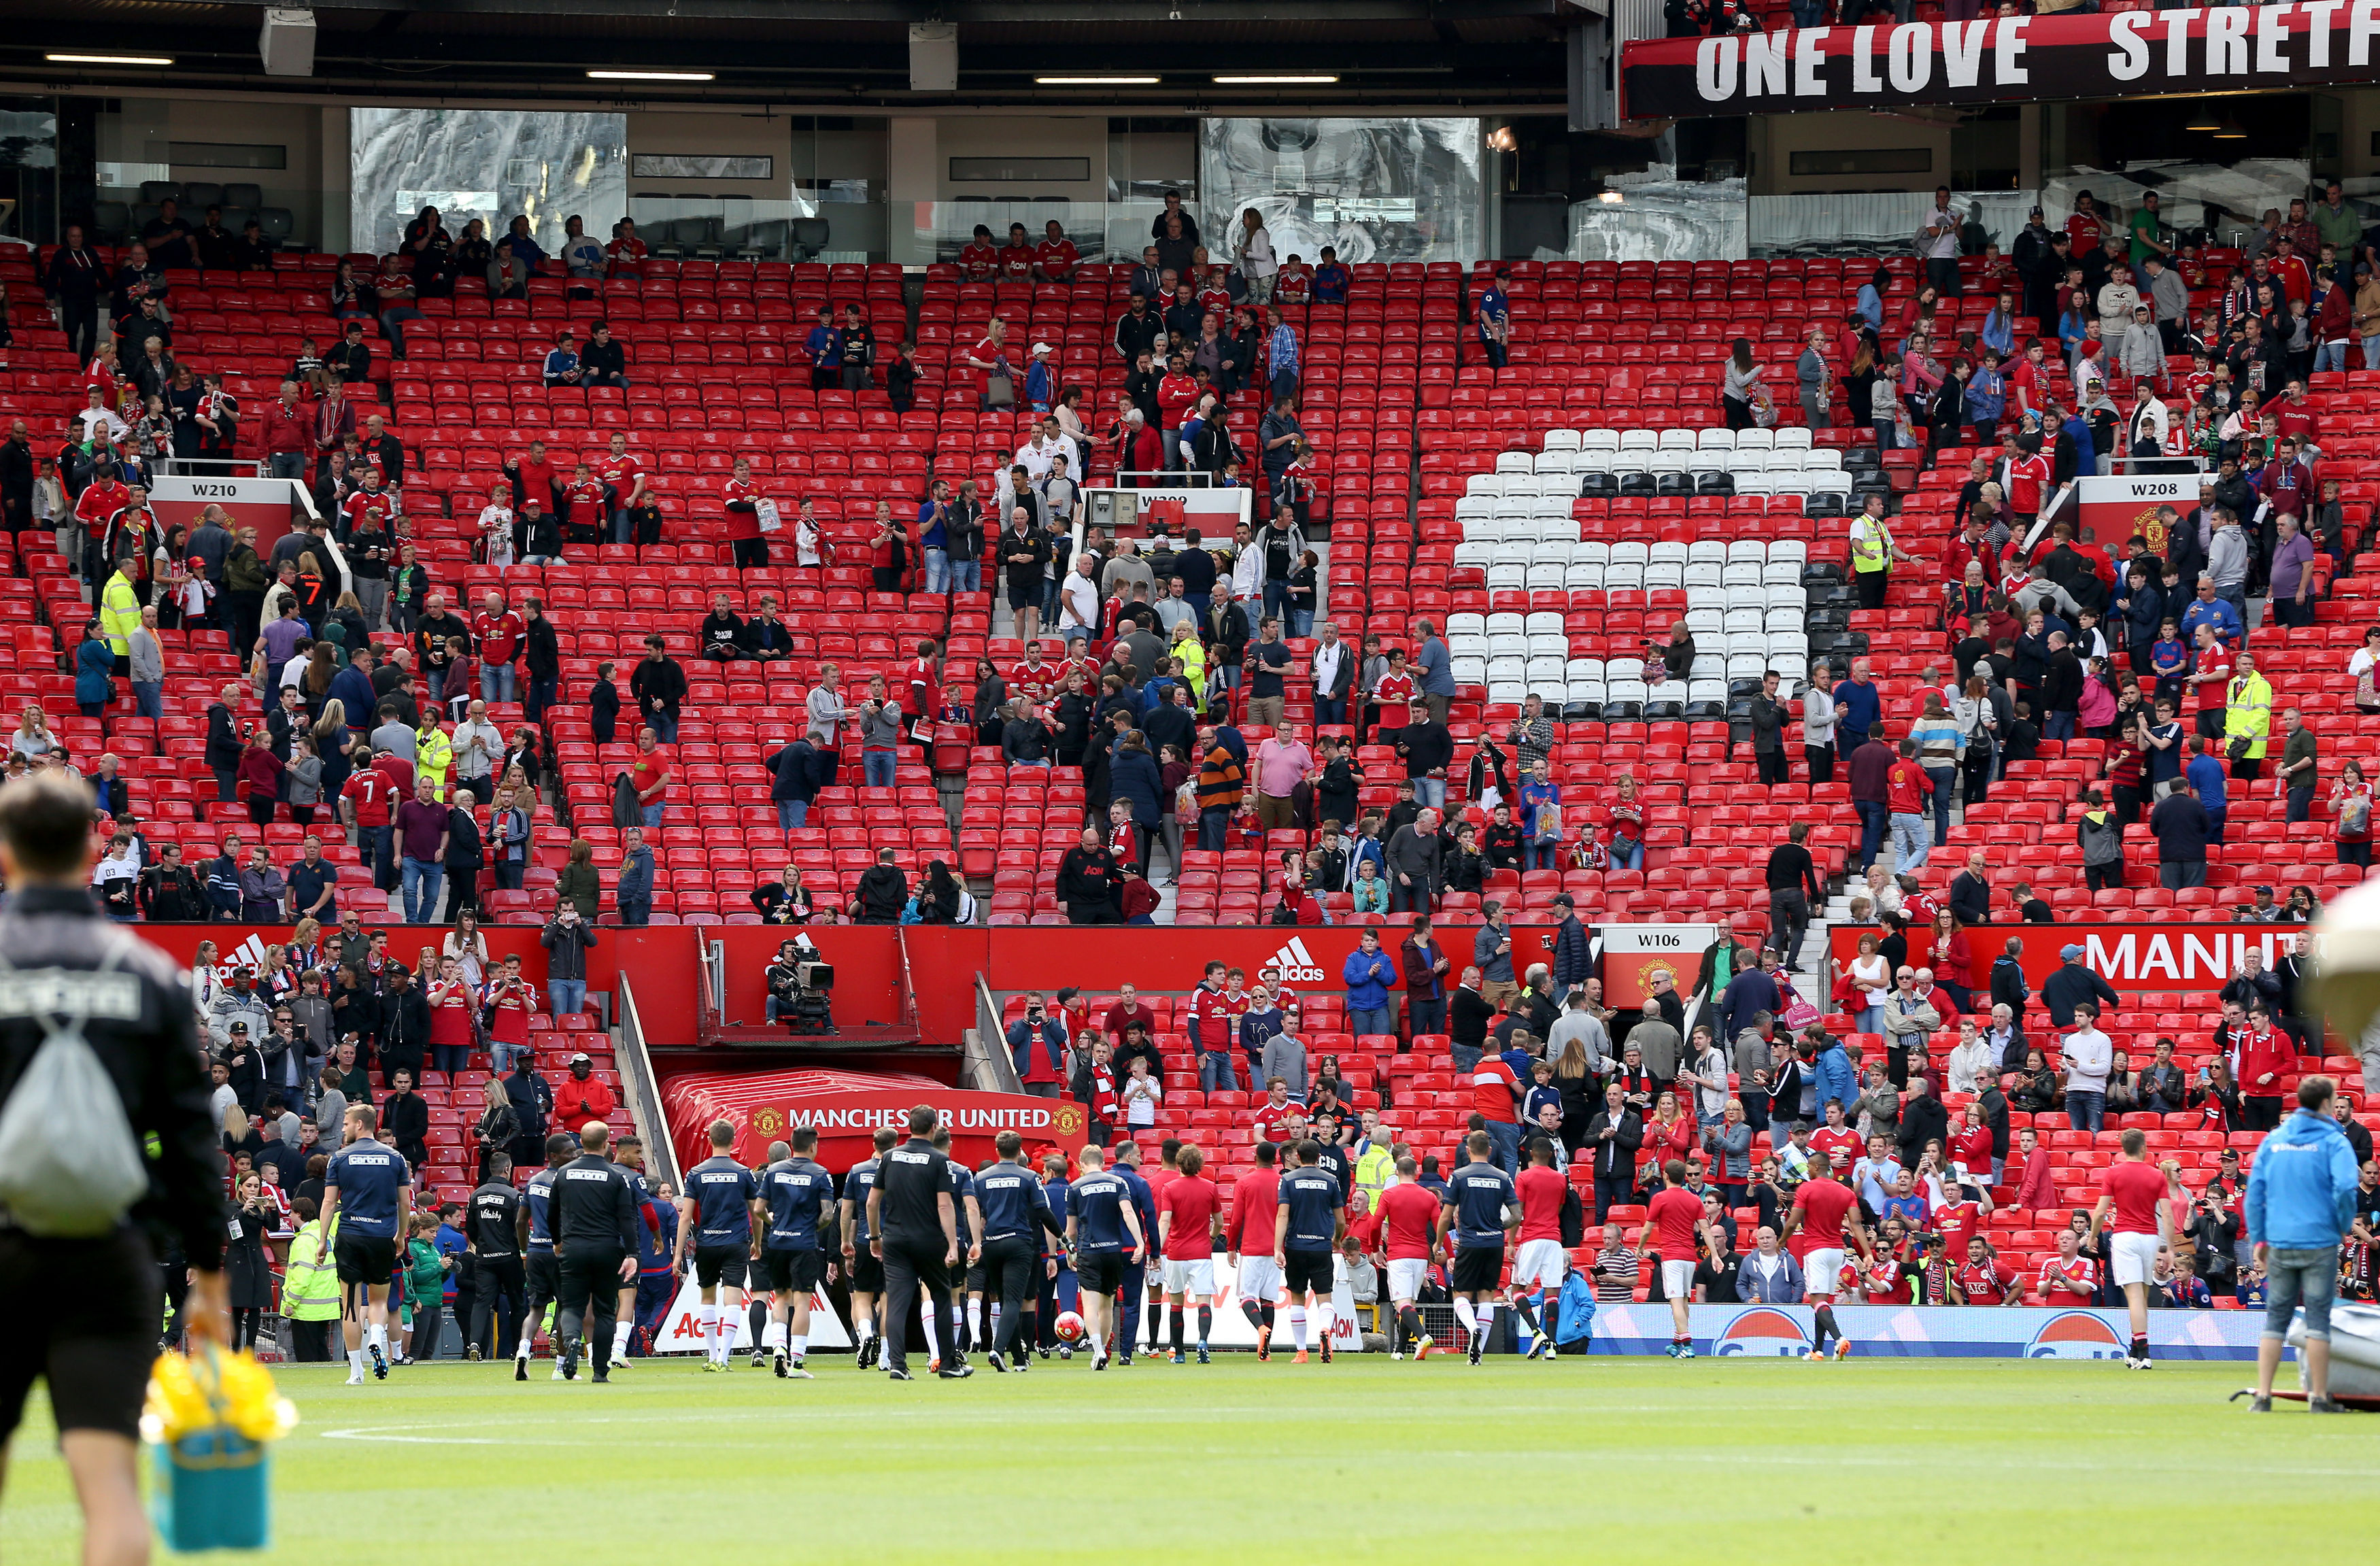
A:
(1406, 1219)
(1540, 1261)
(1673, 1223)
(1187, 1211)
(1827, 1209)
(1249, 1242)
(2136, 1190)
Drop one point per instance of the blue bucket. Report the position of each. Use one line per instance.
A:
(213, 1491)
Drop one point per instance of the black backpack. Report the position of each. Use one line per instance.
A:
(1284, 913)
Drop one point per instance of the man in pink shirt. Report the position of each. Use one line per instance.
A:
(1282, 762)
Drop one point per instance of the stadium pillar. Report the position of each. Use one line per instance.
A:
(913, 185)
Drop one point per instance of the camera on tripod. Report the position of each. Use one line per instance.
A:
(799, 981)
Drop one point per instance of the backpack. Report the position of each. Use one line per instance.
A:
(70, 1166)
(1284, 913)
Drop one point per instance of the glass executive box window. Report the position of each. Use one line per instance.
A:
(489, 163)
(1379, 190)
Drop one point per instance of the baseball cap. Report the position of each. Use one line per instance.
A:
(2036, 213)
(2069, 952)
(1042, 348)
(582, 1055)
(238, 1027)
(2266, 889)
(1565, 900)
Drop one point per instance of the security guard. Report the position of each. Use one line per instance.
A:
(492, 1226)
(82, 1308)
(915, 1229)
(1015, 1214)
(799, 1192)
(533, 1225)
(594, 1217)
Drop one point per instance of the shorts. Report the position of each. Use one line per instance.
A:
(716, 1264)
(1678, 1280)
(82, 1316)
(1540, 1261)
(363, 1259)
(1308, 1271)
(978, 1278)
(1195, 1276)
(1099, 1273)
(2130, 1258)
(1406, 1277)
(794, 1273)
(544, 1278)
(1478, 1269)
(1822, 1268)
(866, 1271)
(1260, 1279)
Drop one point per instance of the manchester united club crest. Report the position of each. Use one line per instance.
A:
(767, 1121)
(1068, 1118)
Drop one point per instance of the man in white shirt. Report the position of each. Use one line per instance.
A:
(1938, 242)
(1078, 601)
(2088, 1056)
(1334, 675)
(1973, 1061)
(478, 744)
(1247, 567)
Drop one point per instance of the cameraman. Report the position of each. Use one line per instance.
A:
(785, 980)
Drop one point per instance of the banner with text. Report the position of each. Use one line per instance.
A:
(1934, 1331)
(2002, 59)
(2196, 959)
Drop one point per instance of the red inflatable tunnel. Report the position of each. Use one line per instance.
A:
(846, 1108)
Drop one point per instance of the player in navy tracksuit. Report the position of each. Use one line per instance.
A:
(1105, 1232)
(1310, 1219)
(963, 1210)
(544, 1277)
(859, 1258)
(644, 1303)
(715, 1227)
(1016, 1217)
(793, 1255)
(369, 1190)
(1135, 1274)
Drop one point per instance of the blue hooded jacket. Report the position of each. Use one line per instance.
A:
(1834, 1076)
(2301, 1187)
(1368, 975)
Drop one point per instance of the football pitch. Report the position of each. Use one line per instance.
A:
(1635, 1458)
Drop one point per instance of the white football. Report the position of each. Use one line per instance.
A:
(2346, 970)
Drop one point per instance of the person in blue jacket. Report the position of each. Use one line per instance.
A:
(1051, 1036)
(1369, 976)
(1769, 1275)
(1834, 1076)
(94, 673)
(2301, 1202)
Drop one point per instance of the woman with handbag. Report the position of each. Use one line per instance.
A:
(990, 358)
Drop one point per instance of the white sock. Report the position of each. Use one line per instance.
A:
(356, 1360)
(1487, 1320)
(706, 1317)
(933, 1339)
(1463, 1314)
(1297, 1327)
(1322, 1319)
(773, 1337)
(620, 1330)
(996, 1308)
(801, 1343)
(975, 1321)
(376, 1334)
(865, 1326)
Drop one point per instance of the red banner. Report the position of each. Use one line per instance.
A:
(1097, 960)
(2191, 959)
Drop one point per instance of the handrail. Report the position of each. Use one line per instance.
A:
(987, 1066)
(640, 1087)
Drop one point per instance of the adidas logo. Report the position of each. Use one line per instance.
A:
(1292, 964)
(249, 953)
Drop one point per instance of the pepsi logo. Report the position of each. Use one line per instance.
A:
(2076, 1334)
(1762, 1332)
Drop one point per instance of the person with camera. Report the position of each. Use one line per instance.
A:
(783, 980)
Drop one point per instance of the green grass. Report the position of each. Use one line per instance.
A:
(1942, 1461)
